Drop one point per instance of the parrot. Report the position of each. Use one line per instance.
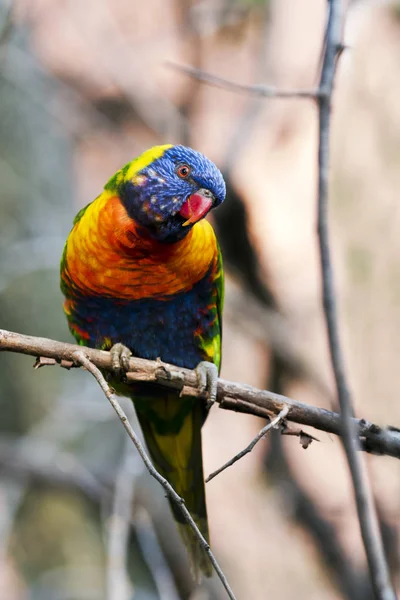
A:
(142, 275)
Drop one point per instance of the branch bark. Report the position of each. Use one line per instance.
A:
(230, 396)
(365, 505)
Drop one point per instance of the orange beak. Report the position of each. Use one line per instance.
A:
(195, 208)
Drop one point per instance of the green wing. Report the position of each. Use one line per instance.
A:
(220, 295)
(80, 214)
(210, 340)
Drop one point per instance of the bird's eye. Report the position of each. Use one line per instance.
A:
(183, 171)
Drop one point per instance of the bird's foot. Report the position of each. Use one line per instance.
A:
(207, 377)
(120, 355)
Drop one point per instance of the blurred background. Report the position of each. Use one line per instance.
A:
(83, 89)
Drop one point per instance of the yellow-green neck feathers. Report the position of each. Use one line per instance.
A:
(136, 165)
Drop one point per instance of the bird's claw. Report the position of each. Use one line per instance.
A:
(207, 377)
(120, 356)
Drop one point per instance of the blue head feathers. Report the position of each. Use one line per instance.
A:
(171, 193)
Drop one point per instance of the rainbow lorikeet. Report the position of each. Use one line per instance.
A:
(142, 273)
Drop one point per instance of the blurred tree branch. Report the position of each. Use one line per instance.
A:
(31, 461)
(118, 526)
(364, 501)
(260, 90)
(350, 578)
(6, 27)
(231, 396)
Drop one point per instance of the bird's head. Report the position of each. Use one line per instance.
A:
(168, 189)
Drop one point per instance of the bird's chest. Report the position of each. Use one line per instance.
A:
(102, 258)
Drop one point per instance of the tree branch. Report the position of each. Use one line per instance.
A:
(231, 396)
(365, 506)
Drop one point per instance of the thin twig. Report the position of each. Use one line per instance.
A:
(80, 357)
(250, 447)
(365, 506)
(231, 396)
(259, 89)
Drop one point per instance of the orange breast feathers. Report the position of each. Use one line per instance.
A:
(107, 256)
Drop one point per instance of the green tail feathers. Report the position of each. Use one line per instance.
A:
(172, 429)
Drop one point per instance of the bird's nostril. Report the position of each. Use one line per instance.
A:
(206, 193)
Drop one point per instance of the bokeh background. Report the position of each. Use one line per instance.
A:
(84, 87)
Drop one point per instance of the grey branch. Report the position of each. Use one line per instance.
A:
(32, 462)
(79, 357)
(274, 423)
(260, 90)
(230, 395)
(365, 506)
